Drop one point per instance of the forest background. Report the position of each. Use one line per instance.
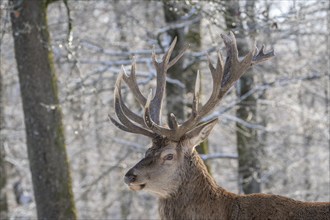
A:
(56, 94)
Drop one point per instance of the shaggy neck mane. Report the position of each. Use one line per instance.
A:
(197, 191)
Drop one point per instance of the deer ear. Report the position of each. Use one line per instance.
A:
(199, 134)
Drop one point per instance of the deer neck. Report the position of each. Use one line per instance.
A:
(197, 191)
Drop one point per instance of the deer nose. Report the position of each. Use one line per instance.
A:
(129, 177)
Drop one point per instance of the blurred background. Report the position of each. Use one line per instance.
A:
(273, 135)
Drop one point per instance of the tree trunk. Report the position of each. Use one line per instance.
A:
(247, 143)
(307, 139)
(3, 176)
(42, 113)
(176, 95)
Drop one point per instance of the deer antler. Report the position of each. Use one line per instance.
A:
(223, 77)
(130, 121)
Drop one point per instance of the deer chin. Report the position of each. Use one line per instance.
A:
(136, 187)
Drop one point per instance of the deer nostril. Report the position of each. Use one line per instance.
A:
(129, 178)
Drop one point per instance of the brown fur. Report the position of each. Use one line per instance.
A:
(199, 197)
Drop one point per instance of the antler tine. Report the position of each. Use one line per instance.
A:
(262, 56)
(217, 76)
(156, 102)
(175, 59)
(231, 47)
(231, 61)
(147, 116)
(174, 122)
(195, 104)
(161, 69)
(126, 125)
(132, 84)
(131, 115)
(167, 55)
(118, 125)
(159, 130)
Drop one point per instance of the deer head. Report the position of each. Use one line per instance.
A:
(166, 162)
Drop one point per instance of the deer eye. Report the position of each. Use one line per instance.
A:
(168, 157)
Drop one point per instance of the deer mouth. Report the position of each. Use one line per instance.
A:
(136, 187)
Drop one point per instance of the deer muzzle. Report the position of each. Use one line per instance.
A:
(131, 180)
(130, 177)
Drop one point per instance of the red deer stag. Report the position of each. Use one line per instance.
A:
(171, 168)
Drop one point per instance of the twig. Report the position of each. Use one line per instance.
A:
(218, 155)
